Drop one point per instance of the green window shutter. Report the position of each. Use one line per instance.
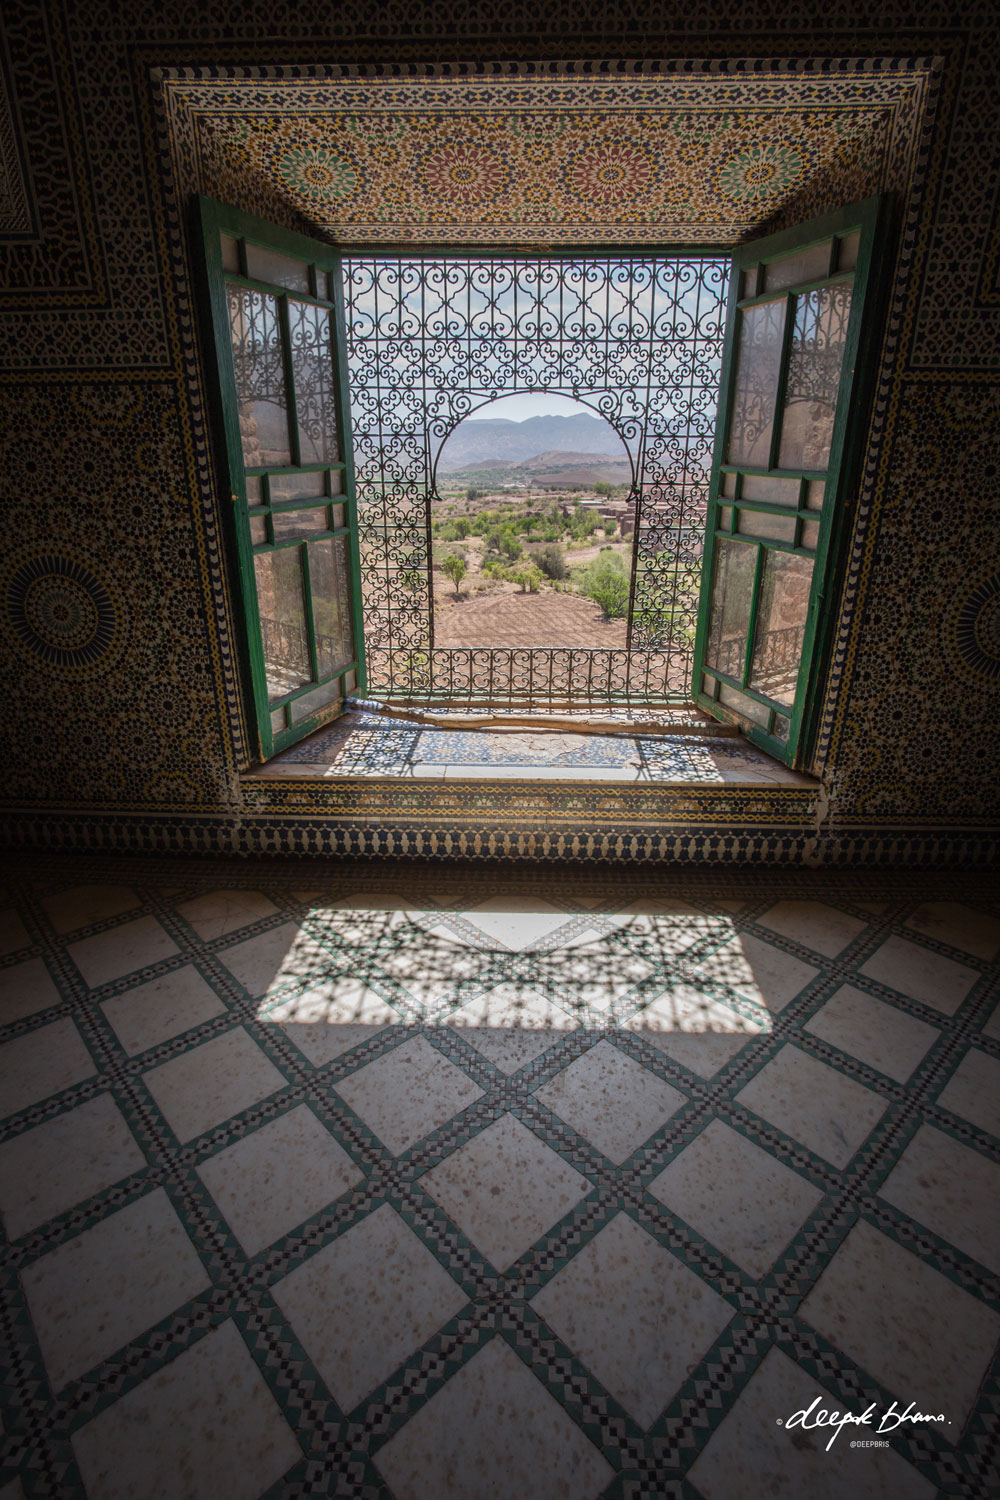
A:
(798, 345)
(276, 306)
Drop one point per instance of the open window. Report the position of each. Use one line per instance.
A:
(276, 304)
(798, 327)
(798, 319)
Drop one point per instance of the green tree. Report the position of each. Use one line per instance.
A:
(472, 494)
(603, 488)
(454, 566)
(529, 578)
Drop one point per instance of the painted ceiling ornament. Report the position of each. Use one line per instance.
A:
(319, 173)
(609, 172)
(463, 172)
(760, 171)
(62, 613)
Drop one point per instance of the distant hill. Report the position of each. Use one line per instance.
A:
(497, 440)
(555, 467)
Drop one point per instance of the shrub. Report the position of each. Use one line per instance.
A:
(606, 582)
(552, 561)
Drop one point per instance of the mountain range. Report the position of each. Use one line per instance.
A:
(478, 442)
(553, 468)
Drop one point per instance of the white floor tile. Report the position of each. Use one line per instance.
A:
(366, 1302)
(634, 1314)
(950, 1189)
(738, 1196)
(505, 1189)
(276, 959)
(689, 1026)
(217, 913)
(121, 950)
(205, 1427)
(973, 1091)
(751, 1455)
(212, 1082)
(612, 1101)
(277, 1177)
(924, 1338)
(939, 982)
(758, 971)
(25, 989)
(511, 1025)
(105, 1287)
(831, 1114)
(86, 904)
(517, 922)
(877, 1033)
(330, 1018)
(493, 1432)
(814, 924)
(41, 1063)
(407, 1093)
(961, 926)
(45, 1171)
(162, 1008)
(13, 933)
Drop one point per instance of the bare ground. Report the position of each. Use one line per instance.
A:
(516, 619)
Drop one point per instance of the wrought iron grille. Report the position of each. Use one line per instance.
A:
(430, 340)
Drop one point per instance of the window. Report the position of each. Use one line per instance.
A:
(429, 339)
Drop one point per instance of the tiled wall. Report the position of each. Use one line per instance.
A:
(124, 724)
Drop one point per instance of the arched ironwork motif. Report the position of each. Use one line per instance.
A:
(638, 339)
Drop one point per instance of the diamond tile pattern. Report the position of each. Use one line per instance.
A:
(506, 1183)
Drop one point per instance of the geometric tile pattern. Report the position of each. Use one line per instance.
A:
(394, 1267)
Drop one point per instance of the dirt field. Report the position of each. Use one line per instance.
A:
(517, 619)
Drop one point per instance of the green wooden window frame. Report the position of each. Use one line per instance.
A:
(304, 545)
(775, 530)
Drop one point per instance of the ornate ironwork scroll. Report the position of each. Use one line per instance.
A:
(430, 340)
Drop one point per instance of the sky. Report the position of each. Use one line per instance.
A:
(531, 404)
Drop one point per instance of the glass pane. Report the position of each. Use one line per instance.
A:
(781, 623)
(330, 292)
(339, 516)
(255, 489)
(725, 518)
(762, 523)
(313, 374)
(815, 491)
(742, 703)
(296, 486)
(749, 286)
(770, 488)
(278, 721)
(847, 253)
(805, 265)
(732, 591)
(336, 478)
(292, 523)
(780, 727)
(258, 530)
(728, 487)
(310, 703)
(810, 534)
(282, 270)
(350, 681)
(331, 604)
(755, 392)
(815, 368)
(281, 602)
(708, 685)
(230, 253)
(260, 378)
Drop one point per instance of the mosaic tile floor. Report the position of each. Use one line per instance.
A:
(452, 1185)
(363, 744)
